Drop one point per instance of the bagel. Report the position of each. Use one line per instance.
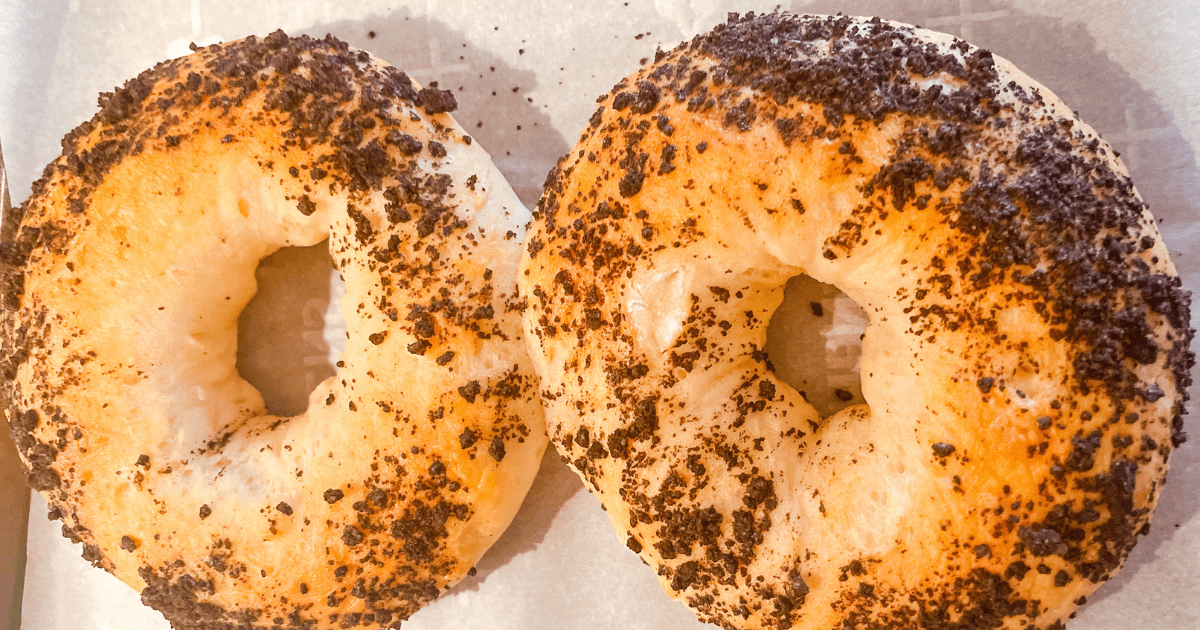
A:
(136, 252)
(1024, 368)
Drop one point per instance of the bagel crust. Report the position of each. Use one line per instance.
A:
(1024, 368)
(122, 288)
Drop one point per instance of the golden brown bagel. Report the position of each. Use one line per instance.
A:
(134, 257)
(1024, 368)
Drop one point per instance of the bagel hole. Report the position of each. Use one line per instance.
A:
(291, 333)
(814, 342)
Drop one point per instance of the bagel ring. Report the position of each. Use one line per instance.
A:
(135, 255)
(1024, 368)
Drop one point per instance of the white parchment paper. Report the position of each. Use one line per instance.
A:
(526, 75)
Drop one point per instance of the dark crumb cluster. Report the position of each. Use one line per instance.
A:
(1036, 214)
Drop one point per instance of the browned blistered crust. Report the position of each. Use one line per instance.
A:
(325, 122)
(987, 230)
